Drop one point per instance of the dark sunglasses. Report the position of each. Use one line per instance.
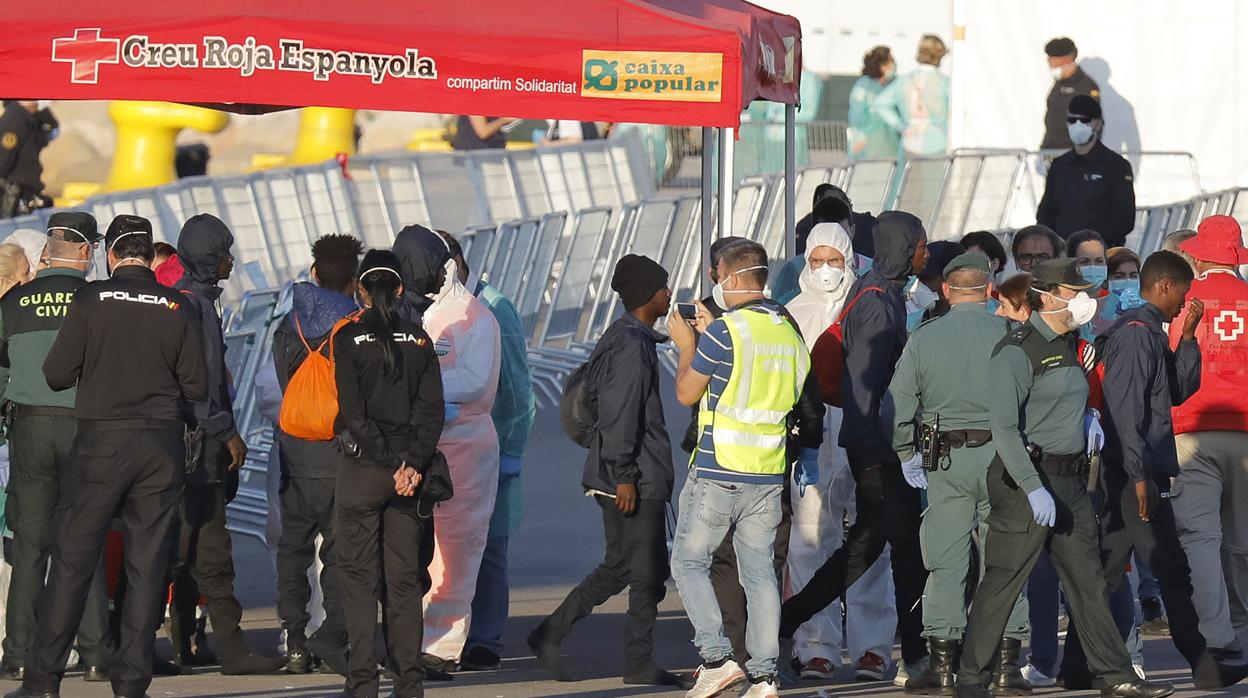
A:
(1080, 119)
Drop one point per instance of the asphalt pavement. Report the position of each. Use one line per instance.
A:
(559, 541)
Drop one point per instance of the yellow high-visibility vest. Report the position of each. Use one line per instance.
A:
(769, 366)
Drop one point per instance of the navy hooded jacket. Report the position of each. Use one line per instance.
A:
(875, 334)
(203, 244)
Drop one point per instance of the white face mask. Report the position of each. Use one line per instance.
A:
(828, 277)
(919, 297)
(1082, 307)
(718, 292)
(1059, 71)
(1080, 133)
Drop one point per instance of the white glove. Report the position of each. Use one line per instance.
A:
(1043, 508)
(1095, 434)
(914, 473)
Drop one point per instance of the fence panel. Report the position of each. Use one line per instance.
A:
(869, 183)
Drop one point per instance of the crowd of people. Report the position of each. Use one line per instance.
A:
(888, 437)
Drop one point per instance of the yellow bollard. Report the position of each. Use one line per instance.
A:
(323, 133)
(146, 140)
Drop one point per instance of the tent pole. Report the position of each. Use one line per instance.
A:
(726, 144)
(790, 180)
(708, 205)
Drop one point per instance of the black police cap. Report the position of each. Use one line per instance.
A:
(1084, 105)
(73, 226)
(125, 225)
(1060, 46)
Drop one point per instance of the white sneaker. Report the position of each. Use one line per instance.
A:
(1139, 671)
(902, 675)
(1036, 678)
(712, 682)
(904, 672)
(763, 689)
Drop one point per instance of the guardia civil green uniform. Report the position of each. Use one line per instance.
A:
(943, 376)
(40, 435)
(1037, 396)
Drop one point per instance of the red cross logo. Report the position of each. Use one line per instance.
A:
(86, 51)
(1228, 326)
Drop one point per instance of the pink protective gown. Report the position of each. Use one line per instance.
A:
(466, 338)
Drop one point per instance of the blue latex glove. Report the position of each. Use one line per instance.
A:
(1129, 299)
(914, 473)
(509, 466)
(452, 412)
(1043, 508)
(807, 471)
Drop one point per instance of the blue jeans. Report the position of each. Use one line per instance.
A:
(708, 509)
(490, 603)
(1149, 588)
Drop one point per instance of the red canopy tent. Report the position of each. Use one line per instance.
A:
(680, 62)
(677, 62)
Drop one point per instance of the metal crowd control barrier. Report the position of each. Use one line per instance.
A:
(276, 214)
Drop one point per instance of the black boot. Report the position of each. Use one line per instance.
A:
(938, 678)
(1007, 677)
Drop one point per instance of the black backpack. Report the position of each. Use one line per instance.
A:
(578, 407)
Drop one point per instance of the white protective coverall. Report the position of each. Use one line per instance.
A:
(819, 517)
(466, 338)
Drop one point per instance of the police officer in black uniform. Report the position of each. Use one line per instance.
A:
(390, 416)
(1068, 80)
(134, 354)
(1090, 187)
(26, 128)
(41, 428)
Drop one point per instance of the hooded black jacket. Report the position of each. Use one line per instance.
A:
(316, 309)
(875, 334)
(422, 258)
(203, 243)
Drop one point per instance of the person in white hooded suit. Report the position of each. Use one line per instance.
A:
(466, 338)
(819, 514)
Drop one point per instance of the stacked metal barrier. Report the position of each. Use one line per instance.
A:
(546, 227)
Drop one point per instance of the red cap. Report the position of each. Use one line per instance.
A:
(1218, 240)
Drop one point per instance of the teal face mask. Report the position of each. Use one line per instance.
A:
(1095, 273)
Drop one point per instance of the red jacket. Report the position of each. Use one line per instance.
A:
(1221, 404)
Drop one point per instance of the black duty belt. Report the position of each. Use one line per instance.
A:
(966, 438)
(1076, 464)
(20, 411)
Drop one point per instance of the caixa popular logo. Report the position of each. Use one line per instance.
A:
(87, 50)
(653, 75)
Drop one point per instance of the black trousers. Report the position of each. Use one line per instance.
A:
(888, 512)
(308, 510)
(205, 565)
(131, 470)
(636, 559)
(40, 449)
(379, 536)
(726, 582)
(1157, 543)
(1012, 550)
